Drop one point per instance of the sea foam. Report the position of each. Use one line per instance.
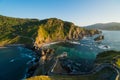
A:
(104, 47)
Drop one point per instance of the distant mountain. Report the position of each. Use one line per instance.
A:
(29, 31)
(105, 26)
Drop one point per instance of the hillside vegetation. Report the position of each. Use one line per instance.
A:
(108, 57)
(11, 27)
(24, 31)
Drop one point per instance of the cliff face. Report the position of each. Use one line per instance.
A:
(57, 30)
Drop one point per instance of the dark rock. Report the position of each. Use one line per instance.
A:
(31, 70)
(101, 37)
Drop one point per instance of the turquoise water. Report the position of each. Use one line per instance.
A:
(86, 50)
(13, 62)
(83, 53)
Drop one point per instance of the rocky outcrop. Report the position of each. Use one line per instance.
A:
(47, 54)
(99, 38)
(32, 69)
(46, 57)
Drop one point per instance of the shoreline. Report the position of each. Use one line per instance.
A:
(56, 42)
(15, 45)
(2, 47)
(12, 45)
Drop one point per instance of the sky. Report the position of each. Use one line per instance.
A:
(80, 12)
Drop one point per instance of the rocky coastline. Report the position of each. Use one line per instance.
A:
(46, 56)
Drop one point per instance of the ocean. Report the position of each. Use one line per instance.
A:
(13, 62)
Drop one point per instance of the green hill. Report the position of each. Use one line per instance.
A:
(106, 26)
(10, 27)
(25, 31)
